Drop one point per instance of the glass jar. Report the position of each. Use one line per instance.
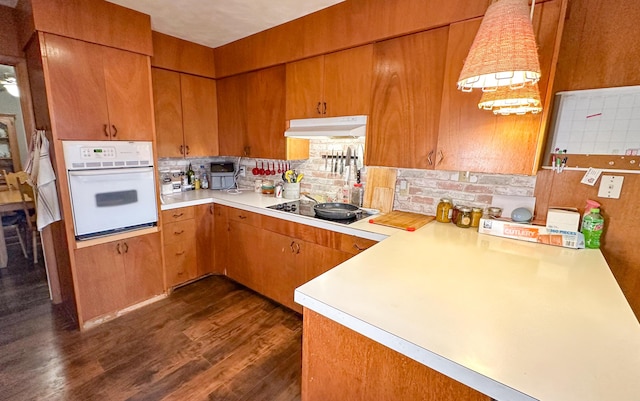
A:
(494, 212)
(357, 193)
(443, 211)
(464, 217)
(476, 215)
(454, 214)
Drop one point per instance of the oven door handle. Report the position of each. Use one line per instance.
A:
(109, 171)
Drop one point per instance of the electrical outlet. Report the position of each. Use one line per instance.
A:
(243, 171)
(464, 176)
(404, 188)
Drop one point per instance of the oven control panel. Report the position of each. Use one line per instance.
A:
(86, 155)
(98, 153)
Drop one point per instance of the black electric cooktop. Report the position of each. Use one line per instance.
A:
(305, 208)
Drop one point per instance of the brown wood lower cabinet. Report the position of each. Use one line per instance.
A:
(340, 364)
(274, 256)
(188, 243)
(118, 274)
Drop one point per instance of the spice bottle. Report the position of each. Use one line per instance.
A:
(464, 217)
(443, 211)
(476, 215)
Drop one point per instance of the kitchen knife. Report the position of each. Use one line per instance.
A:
(349, 156)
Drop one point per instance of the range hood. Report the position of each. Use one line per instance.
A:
(328, 127)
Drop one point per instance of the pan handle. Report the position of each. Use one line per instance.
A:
(307, 196)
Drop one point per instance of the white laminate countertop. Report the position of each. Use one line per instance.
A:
(258, 203)
(512, 319)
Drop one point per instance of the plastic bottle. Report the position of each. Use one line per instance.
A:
(204, 179)
(592, 226)
(346, 193)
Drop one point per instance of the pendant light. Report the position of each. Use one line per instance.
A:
(504, 51)
(505, 101)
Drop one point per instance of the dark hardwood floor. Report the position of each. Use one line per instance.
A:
(211, 340)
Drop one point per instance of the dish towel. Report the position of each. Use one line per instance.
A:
(43, 179)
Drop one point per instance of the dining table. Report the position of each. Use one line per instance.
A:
(10, 201)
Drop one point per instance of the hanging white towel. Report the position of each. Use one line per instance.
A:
(43, 179)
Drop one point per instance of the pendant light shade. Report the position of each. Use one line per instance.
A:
(506, 101)
(504, 52)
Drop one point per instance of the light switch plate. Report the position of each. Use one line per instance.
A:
(610, 186)
(404, 188)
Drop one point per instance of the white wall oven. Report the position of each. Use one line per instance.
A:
(112, 186)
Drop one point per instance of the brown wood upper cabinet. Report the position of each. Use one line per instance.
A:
(251, 115)
(186, 114)
(97, 92)
(331, 85)
(476, 140)
(405, 105)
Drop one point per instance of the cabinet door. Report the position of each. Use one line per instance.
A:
(143, 267)
(199, 115)
(405, 107)
(347, 82)
(168, 113)
(319, 259)
(128, 87)
(221, 235)
(304, 88)
(245, 255)
(232, 111)
(204, 222)
(284, 268)
(476, 140)
(77, 94)
(100, 279)
(266, 109)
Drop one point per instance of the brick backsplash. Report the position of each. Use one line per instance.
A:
(425, 187)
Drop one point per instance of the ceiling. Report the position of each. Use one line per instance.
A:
(216, 22)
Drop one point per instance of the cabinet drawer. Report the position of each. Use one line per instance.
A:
(354, 245)
(180, 231)
(180, 263)
(179, 214)
(244, 217)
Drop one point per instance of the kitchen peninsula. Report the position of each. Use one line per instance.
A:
(513, 320)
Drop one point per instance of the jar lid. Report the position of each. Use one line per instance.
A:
(357, 185)
(465, 209)
(494, 209)
(477, 209)
(445, 200)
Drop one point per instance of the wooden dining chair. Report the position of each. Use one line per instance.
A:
(11, 179)
(26, 190)
(11, 225)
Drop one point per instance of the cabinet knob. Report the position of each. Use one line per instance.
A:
(429, 159)
(126, 248)
(182, 149)
(106, 130)
(187, 148)
(440, 156)
(241, 217)
(176, 215)
(115, 130)
(324, 107)
(358, 247)
(179, 253)
(178, 232)
(318, 108)
(118, 249)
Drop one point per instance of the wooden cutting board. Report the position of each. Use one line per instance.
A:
(402, 220)
(380, 188)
